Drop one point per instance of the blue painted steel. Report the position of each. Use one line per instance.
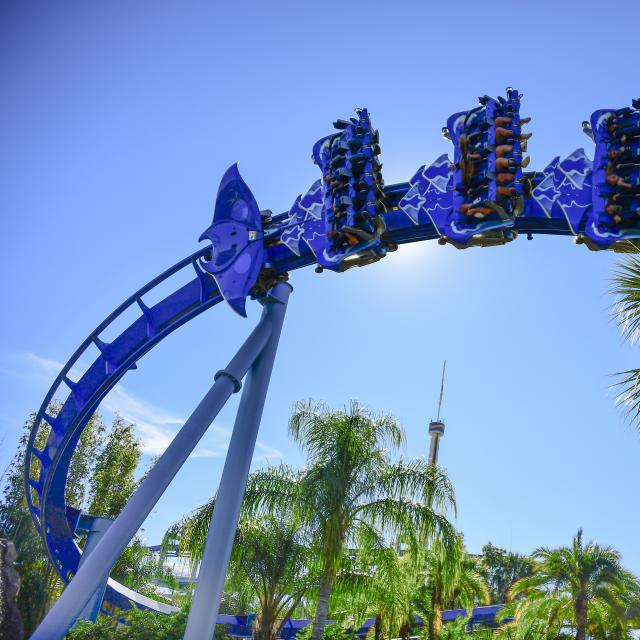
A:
(237, 249)
(353, 195)
(615, 214)
(241, 625)
(47, 465)
(562, 191)
(569, 197)
(95, 528)
(79, 591)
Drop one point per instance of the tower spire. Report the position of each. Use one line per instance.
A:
(436, 427)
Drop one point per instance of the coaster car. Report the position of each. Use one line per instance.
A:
(614, 221)
(353, 196)
(486, 186)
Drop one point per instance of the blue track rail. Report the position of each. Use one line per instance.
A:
(241, 626)
(47, 467)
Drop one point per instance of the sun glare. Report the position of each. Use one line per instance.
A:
(412, 254)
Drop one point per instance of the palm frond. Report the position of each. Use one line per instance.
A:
(626, 288)
(626, 314)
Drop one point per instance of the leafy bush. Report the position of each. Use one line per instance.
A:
(140, 625)
(333, 631)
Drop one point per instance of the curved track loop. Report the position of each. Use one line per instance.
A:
(46, 469)
(560, 201)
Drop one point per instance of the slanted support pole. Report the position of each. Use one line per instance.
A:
(224, 519)
(97, 529)
(94, 569)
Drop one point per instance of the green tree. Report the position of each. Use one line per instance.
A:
(238, 595)
(352, 494)
(83, 462)
(383, 583)
(112, 483)
(100, 480)
(147, 625)
(457, 630)
(452, 581)
(40, 584)
(270, 555)
(583, 587)
(269, 551)
(528, 629)
(501, 569)
(113, 479)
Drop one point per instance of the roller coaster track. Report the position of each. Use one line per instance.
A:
(280, 244)
(46, 469)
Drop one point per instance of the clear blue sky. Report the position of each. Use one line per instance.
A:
(117, 122)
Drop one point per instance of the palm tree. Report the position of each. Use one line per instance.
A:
(452, 581)
(270, 553)
(626, 311)
(383, 583)
(396, 590)
(269, 561)
(527, 629)
(583, 587)
(352, 494)
(394, 595)
(501, 569)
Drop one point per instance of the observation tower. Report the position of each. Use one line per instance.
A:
(436, 427)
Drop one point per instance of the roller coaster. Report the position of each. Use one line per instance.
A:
(348, 218)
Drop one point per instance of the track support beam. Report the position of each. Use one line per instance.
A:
(80, 591)
(224, 519)
(99, 526)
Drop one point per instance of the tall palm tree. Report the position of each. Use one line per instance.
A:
(352, 494)
(583, 587)
(452, 581)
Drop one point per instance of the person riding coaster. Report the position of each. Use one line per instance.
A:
(629, 215)
(624, 167)
(505, 178)
(471, 168)
(503, 135)
(627, 138)
(618, 197)
(623, 121)
(624, 152)
(475, 211)
(502, 164)
(503, 150)
(478, 190)
(631, 182)
(621, 114)
(478, 179)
